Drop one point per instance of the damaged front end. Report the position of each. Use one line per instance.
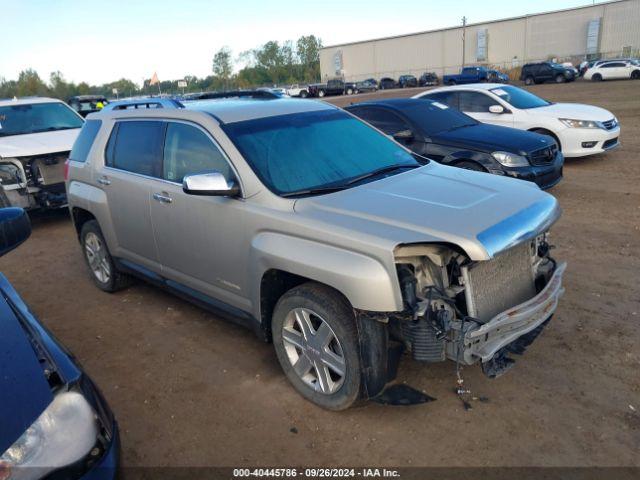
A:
(475, 311)
(34, 181)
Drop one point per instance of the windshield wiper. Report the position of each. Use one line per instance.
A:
(314, 191)
(380, 171)
(342, 186)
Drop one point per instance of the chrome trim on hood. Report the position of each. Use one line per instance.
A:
(522, 226)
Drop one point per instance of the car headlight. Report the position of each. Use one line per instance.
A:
(63, 434)
(571, 123)
(510, 159)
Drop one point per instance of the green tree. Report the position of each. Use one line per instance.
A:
(29, 84)
(223, 65)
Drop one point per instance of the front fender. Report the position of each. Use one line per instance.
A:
(363, 280)
(481, 158)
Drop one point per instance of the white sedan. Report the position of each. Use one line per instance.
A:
(614, 70)
(579, 130)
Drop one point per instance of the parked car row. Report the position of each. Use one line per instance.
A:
(340, 87)
(348, 238)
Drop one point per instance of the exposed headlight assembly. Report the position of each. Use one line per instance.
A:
(571, 123)
(63, 434)
(510, 159)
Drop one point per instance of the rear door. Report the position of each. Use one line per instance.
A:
(132, 162)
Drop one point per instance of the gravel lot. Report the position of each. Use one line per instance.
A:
(191, 389)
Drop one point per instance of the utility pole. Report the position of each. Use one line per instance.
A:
(464, 38)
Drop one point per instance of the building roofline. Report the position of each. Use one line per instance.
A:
(488, 22)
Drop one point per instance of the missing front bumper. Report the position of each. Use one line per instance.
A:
(483, 342)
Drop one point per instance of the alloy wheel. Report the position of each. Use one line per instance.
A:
(96, 254)
(314, 351)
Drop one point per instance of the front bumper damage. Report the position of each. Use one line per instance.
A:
(484, 341)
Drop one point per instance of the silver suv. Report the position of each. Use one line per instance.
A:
(320, 233)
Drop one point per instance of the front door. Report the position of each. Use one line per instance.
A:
(476, 105)
(133, 158)
(201, 240)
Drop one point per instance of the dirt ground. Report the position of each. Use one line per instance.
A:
(190, 389)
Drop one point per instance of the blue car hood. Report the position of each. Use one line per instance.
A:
(24, 390)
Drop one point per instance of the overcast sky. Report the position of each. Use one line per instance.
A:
(101, 41)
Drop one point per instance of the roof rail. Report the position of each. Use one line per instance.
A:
(256, 94)
(143, 103)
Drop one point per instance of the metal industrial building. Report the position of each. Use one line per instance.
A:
(601, 30)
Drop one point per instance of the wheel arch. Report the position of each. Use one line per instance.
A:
(80, 216)
(546, 131)
(289, 261)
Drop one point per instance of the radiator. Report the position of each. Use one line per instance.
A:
(496, 285)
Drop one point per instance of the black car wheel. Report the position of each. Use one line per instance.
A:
(528, 81)
(316, 342)
(349, 91)
(304, 94)
(635, 75)
(104, 272)
(560, 79)
(321, 93)
(451, 83)
(596, 77)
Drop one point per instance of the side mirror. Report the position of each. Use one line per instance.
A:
(403, 136)
(496, 109)
(211, 184)
(15, 228)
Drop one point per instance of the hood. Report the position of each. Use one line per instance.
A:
(576, 111)
(38, 143)
(491, 138)
(25, 390)
(481, 213)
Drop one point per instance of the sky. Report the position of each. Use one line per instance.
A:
(102, 41)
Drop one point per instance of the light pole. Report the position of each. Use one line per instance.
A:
(464, 38)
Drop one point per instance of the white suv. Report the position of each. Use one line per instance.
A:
(579, 130)
(36, 136)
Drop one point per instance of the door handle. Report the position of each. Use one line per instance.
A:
(104, 181)
(162, 197)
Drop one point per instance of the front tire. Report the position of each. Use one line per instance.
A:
(528, 81)
(596, 77)
(104, 272)
(304, 94)
(560, 79)
(349, 91)
(321, 94)
(635, 75)
(316, 342)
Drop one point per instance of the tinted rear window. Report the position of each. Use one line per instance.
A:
(137, 147)
(83, 143)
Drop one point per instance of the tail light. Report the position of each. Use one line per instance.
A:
(66, 170)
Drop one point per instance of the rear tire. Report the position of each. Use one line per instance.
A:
(316, 341)
(304, 94)
(349, 91)
(451, 83)
(321, 94)
(102, 268)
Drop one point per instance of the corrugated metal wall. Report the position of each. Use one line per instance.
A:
(561, 34)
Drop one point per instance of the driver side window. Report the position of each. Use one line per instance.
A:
(474, 102)
(189, 150)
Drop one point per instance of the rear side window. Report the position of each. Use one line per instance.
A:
(136, 147)
(83, 143)
(388, 122)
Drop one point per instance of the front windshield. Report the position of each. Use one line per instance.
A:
(313, 150)
(22, 119)
(519, 98)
